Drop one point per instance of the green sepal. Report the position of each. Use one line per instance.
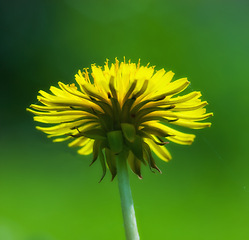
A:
(139, 105)
(135, 164)
(149, 158)
(78, 126)
(111, 162)
(155, 131)
(144, 134)
(112, 88)
(106, 122)
(136, 147)
(84, 109)
(103, 164)
(142, 103)
(115, 140)
(143, 89)
(143, 112)
(96, 146)
(105, 106)
(116, 113)
(129, 131)
(131, 89)
(94, 134)
(92, 94)
(155, 118)
(125, 114)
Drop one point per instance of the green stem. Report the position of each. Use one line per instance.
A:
(128, 211)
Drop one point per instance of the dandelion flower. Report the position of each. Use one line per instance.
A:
(122, 113)
(121, 107)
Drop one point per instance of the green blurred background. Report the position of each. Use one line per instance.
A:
(48, 192)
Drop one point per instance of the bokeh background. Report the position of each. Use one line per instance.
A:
(48, 192)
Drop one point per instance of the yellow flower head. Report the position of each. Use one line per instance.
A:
(123, 107)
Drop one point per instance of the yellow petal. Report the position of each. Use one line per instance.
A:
(160, 151)
(181, 140)
(57, 119)
(189, 107)
(172, 131)
(73, 91)
(69, 102)
(87, 149)
(61, 113)
(58, 92)
(80, 79)
(183, 98)
(176, 86)
(100, 81)
(59, 127)
(48, 108)
(78, 142)
(61, 139)
(182, 115)
(159, 83)
(191, 124)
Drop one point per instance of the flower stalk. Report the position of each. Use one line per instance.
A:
(127, 205)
